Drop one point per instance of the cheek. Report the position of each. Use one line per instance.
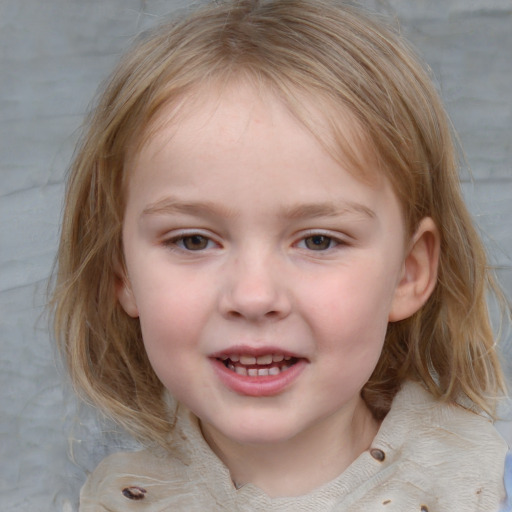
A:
(168, 299)
(358, 297)
(170, 336)
(349, 318)
(166, 314)
(352, 339)
(167, 319)
(174, 309)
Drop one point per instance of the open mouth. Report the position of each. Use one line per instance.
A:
(258, 373)
(260, 366)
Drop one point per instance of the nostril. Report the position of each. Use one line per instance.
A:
(270, 315)
(253, 301)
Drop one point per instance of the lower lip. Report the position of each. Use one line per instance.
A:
(267, 385)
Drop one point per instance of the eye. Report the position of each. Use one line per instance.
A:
(193, 242)
(319, 242)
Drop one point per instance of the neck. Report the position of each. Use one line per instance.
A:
(298, 465)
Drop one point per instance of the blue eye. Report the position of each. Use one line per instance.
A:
(319, 242)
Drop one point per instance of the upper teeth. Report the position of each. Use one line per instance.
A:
(248, 360)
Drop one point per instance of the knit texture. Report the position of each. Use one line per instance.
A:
(426, 457)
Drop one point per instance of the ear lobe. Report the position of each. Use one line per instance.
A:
(419, 273)
(125, 295)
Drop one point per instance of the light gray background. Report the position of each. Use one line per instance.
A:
(53, 54)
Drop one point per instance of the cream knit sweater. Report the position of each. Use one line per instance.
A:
(426, 457)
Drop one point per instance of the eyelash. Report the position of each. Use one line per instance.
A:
(322, 242)
(332, 241)
(178, 242)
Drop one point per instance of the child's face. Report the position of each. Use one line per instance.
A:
(249, 249)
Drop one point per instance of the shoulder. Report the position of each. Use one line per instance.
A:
(123, 480)
(452, 451)
(156, 479)
(431, 422)
(146, 481)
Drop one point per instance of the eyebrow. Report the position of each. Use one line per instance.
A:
(328, 209)
(171, 205)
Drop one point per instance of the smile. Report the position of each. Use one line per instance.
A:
(258, 373)
(261, 366)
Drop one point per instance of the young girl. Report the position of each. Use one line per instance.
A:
(267, 274)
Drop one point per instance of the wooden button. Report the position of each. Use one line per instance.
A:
(377, 454)
(134, 493)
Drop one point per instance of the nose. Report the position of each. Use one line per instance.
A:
(255, 289)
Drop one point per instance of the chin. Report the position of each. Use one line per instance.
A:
(259, 433)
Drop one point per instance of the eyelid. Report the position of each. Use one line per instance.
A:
(338, 238)
(170, 240)
(335, 235)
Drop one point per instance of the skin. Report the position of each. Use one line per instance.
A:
(244, 237)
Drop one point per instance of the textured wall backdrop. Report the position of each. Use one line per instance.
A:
(53, 54)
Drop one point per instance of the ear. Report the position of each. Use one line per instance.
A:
(419, 273)
(124, 293)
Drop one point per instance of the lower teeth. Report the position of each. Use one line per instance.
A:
(257, 372)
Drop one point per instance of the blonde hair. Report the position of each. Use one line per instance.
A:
(299, 49)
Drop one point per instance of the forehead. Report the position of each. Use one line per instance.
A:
(238, 138)
(334, 126)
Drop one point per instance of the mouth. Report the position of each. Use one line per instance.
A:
(263, 372)
(258, 366)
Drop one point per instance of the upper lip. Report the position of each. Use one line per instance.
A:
(245, 350)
